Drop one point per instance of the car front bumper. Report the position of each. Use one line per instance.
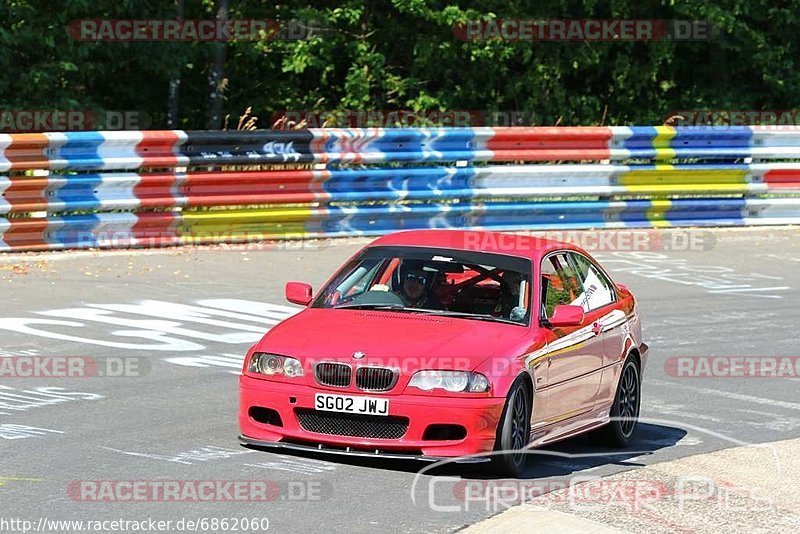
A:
(478, 415)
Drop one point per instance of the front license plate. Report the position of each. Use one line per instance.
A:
(348, 404)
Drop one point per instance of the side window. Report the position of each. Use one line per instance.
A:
(596, 289)
(357, 280)
(560, 284)
(368, 273)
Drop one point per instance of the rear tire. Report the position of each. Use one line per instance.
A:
(625, 410)
(513, 432)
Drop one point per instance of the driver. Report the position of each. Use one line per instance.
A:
(510, 294)
(414, 286)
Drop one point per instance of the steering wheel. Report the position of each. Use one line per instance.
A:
(385, 298)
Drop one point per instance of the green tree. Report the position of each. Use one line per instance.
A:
(403, 54)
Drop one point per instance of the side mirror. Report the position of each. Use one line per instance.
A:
(566, 315)
(298, 293)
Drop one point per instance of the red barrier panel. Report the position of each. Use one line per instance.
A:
(255, 187)
(549, 144)
(26, 194)
(783, 178)
(160, 149)
(28, 151)
(27, 234)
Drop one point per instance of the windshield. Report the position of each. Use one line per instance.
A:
(469, 285)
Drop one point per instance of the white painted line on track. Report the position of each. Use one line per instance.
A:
(202, 454)
(730, 395)
(305, 466)
(749, 289)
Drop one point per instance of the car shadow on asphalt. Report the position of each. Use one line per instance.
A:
(558, 460)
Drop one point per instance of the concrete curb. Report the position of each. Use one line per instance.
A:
(526, 517)
(741, 489)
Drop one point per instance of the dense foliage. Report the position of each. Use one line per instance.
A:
(403, 54)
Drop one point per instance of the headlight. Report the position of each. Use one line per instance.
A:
(453, 381)
(272, 364)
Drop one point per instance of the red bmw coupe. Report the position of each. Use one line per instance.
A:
(449, 344)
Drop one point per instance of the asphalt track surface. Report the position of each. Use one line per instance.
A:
(177, 421)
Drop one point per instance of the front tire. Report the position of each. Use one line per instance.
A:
(513, 432)
(625, 410)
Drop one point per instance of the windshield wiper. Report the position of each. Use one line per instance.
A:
(392, 307)
(466, 315)
(427, 311)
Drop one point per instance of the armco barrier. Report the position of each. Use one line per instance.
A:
(153, 188)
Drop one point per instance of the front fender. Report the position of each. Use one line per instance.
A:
(502, 372)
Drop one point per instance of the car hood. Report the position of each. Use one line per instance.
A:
(405, 340)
